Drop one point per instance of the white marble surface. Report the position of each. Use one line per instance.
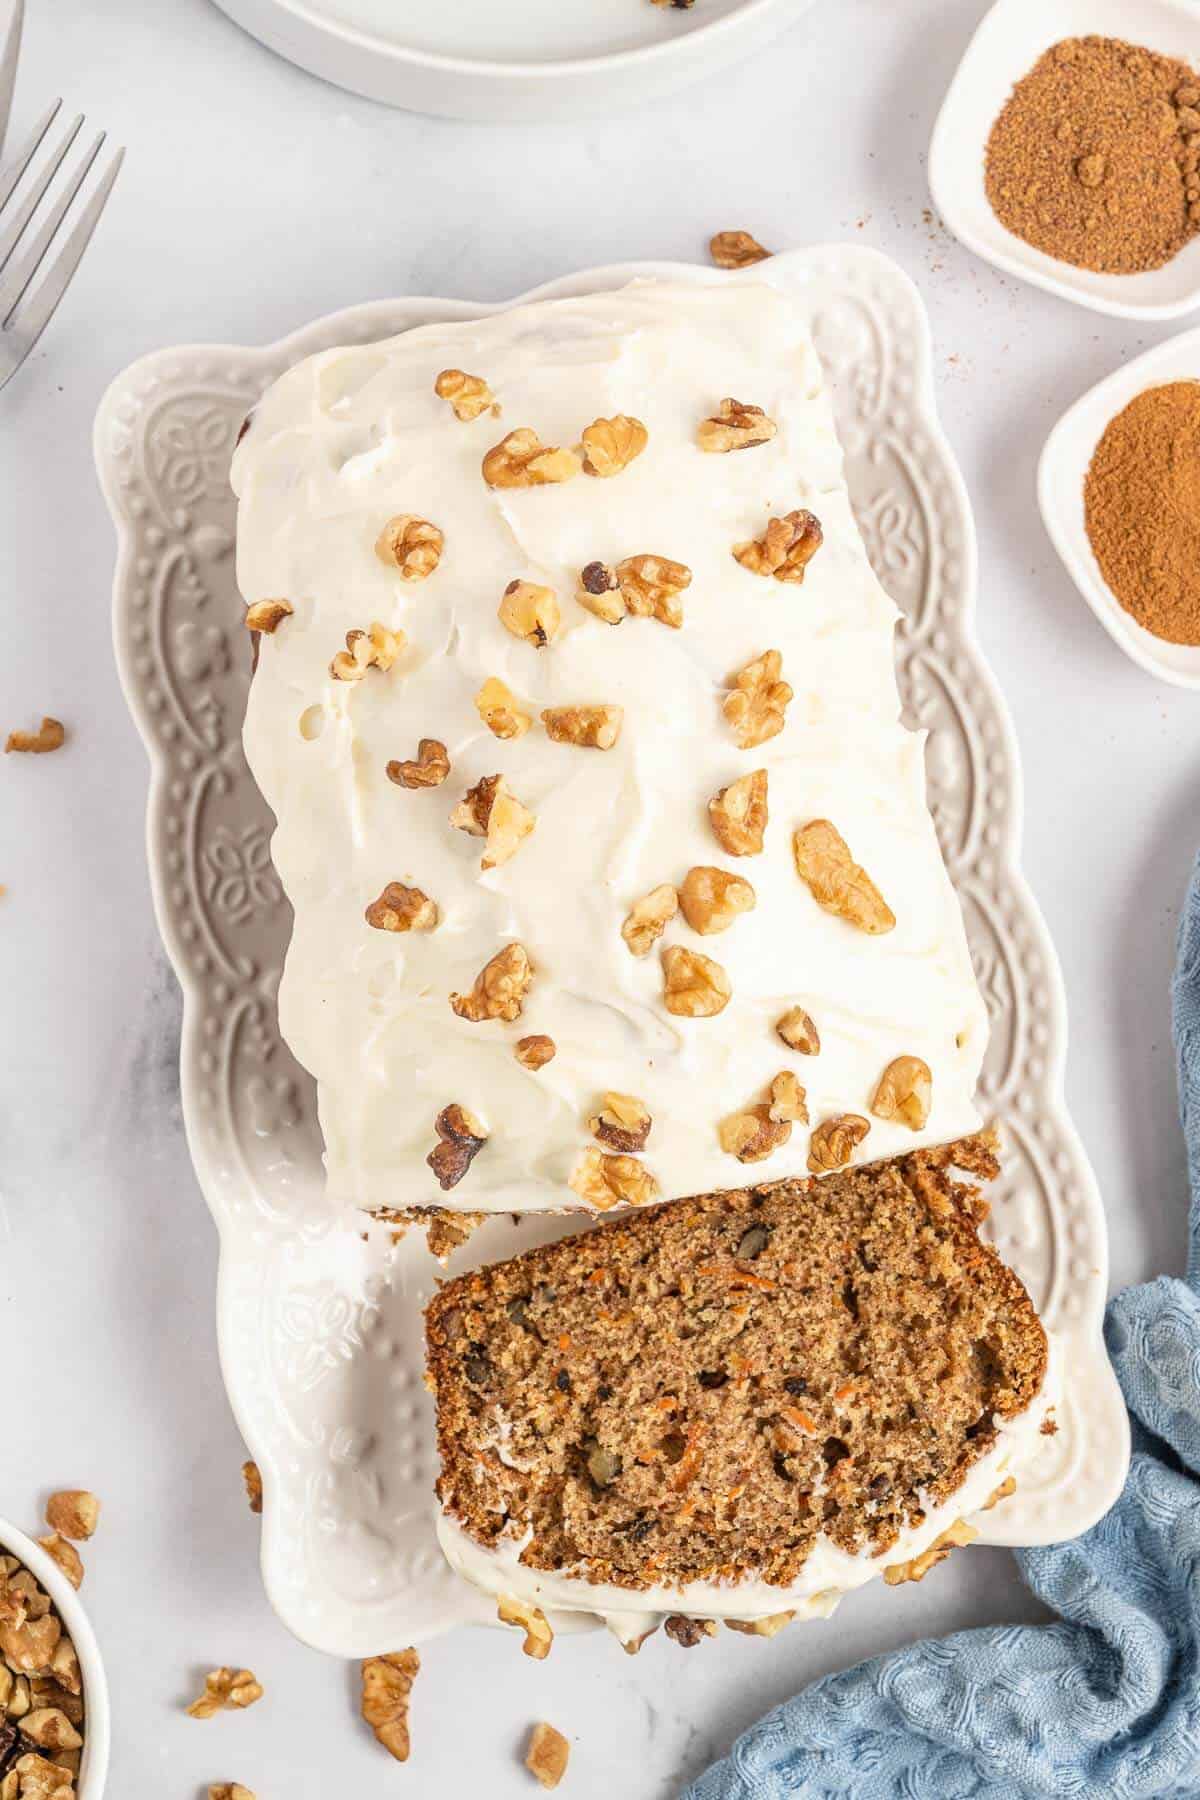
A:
(253, 199)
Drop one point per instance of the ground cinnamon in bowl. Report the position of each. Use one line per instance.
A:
(1142, 509)
(1095, 158)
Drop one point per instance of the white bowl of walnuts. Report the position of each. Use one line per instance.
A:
(54, 1713)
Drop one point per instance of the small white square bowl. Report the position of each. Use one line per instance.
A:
(1011, 38)
(1064, 464)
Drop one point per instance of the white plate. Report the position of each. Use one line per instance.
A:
(320, 1326)
(1012, 37)
(1061, 471)
(531, 60)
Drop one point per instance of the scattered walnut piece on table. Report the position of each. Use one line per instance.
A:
(267, 615)
(230, 1790)
(63, 1552)
(386, 1688)
(689, 1632)
(469, 395)
(834, 1142)
(501, 711)
(738, 814)
(490, 810)
(694, 986)
(733, 249)
(650, 588)
(837, 883)
(429, 770)
(377, 648)
(538, 1635)
(905, 1092)
(759, 698)
(401, 908)
(254, 1486)
(588, 727)
(622, 1123)
(768, 1627)
(610, 445)
(735, 426)
(604, 1181)
(50, 735)
(649, 918)
(500, 987)
(711, 899)
(462, 1138)
(798, 1032)
(547, 1755)
(411, 545)
(521, 460)
(530, 612)
(918, 1567)
(785, 549)
(225, 1690)
(535, 1051)
(73, 1513)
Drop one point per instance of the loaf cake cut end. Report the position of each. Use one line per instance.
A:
(737, 1406)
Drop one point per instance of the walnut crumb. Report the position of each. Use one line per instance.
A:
(711, 899)
(904, 1092)
(411, 545)
(687, 1633)
(521, 460)
(610, 445)
(267, 615)
(1007, 1488)
(604, 1181)
(785, 549)
(500, 987)
(837, 883)
(757, 704)
(462, 1137)
(401, 908)
(589, 727)
(538, 1635)
(386, 1686)
(254, 1486)
(530, 612)
(535, 1051)
(50, 735)
(918, 1567)
(649, 918)
(73, 1513)
(738, 814)
(501, 711)
(834, 1141)
(768, 1627)
(735, 426)
(798, 1032)
(623, 1123)
(736, 250)
(694, 986)
(599, 590)
(469, 395)
(226, 1689)
(377, 648)
(430, 769)
(492, 811)
(547, 1754)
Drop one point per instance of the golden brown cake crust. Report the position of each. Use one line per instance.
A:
(700, 1390)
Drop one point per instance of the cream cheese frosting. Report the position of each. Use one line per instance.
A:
(354, 437)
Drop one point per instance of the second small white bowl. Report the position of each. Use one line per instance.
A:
(1013, 35)
(96, 1719)
(1061, 473)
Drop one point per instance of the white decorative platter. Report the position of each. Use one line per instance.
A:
(532, 60)
(319, 1313)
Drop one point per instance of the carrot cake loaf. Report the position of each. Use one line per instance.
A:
(610, 860)
(739, 1406)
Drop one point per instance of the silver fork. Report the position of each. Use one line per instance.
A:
(26, 304)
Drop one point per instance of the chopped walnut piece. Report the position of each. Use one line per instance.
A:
(759, 700)
(834, 1141)
(711, 899)
(430, 769)
(610, 445)
(752, 1134)
(599, 591)
(798, 1031)
(738, 814)
(50, 1729)
(377, 648)
(1007, 1487)
(687, 1633)
(411, 545)
(768, 1627)
(649, 918)
(386, 1686)
(500, 987)
(546, 1757)
(651, 586)
(735, 427)
(521, 460)
(536, 1051)
(28, 1647)
(605, 1181)
(229, 1790)
(538, 1635)
(267, 615)
(225, 1689)
(64, 1666)
(694, 986)
(785, 549)
(918, 1567)
(462, 1138)
(401, 908)
(254, 1486)
(490, 810)
(63, 1552)
(35, 1777)
(904, 1092)
(788, 1099)
(590, 727)
(50, 735)
(623, 1123)
(836, 881)
(469, 395)
(736, 250)
(501, 711)
(530, 612)
(73, 1513)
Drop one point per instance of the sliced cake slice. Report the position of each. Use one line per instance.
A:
(738, 1406)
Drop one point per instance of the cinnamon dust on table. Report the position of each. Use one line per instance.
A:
(1142, 509)
(1095, 158)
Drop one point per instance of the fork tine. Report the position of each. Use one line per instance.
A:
(33, 199)
(38, 310)
(8, 65)
(23, 273)
(11, 172)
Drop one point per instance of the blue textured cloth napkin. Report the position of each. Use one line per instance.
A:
(1105, 1701)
